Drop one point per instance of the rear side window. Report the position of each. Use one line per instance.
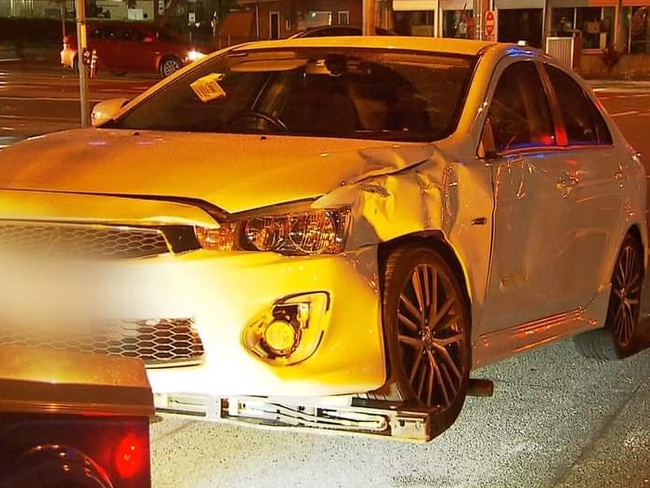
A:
(583, 123)
(132, 35)
(102, 33)
(519, 113)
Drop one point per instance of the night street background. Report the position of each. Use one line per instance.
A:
(555, 420)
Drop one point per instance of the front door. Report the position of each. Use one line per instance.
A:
(530, 226)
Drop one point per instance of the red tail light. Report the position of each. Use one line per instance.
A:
(130, 456)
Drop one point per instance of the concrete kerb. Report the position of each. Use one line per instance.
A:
(619, 85)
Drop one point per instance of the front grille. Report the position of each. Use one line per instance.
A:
(83, 241)
(160, 342)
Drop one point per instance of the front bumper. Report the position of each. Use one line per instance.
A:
(225, 292)
(222, 294)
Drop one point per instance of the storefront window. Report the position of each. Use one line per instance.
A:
(562, 21)
(415, 23)
(95, 9)
(640, 30)
(458, 23)
(596, 25)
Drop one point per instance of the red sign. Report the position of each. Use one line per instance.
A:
(489, 23)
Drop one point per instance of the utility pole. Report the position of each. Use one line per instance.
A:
(82, 49)
(369, 16)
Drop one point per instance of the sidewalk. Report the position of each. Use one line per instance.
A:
(30, 57)
(619, 85)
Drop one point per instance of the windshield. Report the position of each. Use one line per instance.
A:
(352, 93)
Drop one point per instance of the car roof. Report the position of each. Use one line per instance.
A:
(431, 44)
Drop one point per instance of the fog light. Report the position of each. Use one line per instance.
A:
(280, 336)
(290, 330)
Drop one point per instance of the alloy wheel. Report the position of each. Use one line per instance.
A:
(626, 294)
(431, 336)
(169, 66)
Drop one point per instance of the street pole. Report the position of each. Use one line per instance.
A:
(82, 47)
(369, 15)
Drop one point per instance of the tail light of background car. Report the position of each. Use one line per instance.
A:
(131, 456)
(66, 42)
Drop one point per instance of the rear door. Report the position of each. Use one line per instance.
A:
(596, 175)
(102, 38)
(138, 46)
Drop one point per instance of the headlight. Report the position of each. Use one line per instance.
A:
(299, 233)
(194, 55)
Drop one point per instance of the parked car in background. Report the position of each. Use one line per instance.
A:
(337, 30)
(335, 232)
(73, 420)
(130, 47)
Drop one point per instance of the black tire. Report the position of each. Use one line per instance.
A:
(169, 65)
(621, 337)
(426, 318)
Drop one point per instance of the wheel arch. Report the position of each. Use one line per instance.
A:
(436, 240)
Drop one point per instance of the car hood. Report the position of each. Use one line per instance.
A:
(233, 172)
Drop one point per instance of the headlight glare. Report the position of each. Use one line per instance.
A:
(194, 55)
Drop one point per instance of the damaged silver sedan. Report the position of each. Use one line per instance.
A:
(333, 233)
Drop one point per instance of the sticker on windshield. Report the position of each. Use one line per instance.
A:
(207, 87)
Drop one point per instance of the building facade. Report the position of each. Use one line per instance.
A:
(600, 23)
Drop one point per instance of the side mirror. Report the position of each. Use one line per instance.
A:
(106, 110)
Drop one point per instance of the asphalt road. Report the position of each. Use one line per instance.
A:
(39, 101)
(555, 420)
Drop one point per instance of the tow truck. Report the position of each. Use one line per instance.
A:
(72, 420)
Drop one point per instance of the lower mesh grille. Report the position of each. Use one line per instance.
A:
(159, 343)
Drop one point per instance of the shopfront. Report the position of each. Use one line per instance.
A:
(457, 19)
(520, 20)
(415, 17)
(636, 28)
(95, 9)
(596, 20)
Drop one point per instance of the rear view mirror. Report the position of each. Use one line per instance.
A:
(106, 110)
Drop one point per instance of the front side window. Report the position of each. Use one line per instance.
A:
(582, 120)
(353, 93)
(519, 114)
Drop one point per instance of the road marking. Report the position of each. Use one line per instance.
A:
(46, 99)
(39, 118)
(624, 114)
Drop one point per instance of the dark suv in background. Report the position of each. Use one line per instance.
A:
(130, 47)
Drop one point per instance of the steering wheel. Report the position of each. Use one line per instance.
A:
(271, 120)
